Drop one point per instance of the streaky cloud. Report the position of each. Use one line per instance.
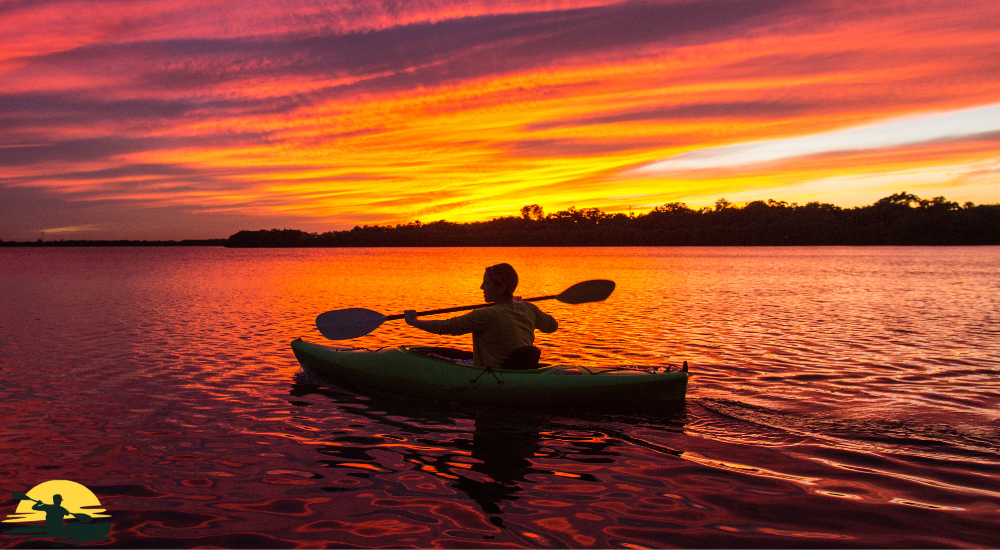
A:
(74, 228)
(886, 134)
(48, 109)
(760, 110)
(549, 148)
(465, 47)
(104, 147)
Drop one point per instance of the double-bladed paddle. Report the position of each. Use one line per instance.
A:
(344, 324)
(21, 496)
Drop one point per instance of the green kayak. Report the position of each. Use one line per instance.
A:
(433, 373)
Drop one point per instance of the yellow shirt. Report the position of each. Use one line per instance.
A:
(497, 330)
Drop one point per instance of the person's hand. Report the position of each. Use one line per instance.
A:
(409, 315)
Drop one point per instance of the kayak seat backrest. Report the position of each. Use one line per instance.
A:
(523, 358)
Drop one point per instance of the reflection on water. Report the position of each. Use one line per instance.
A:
(840, 397)
(502, 453)
(490, 456)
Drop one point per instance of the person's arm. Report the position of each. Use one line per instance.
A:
(463, 324)
(545, 322)
(410, 316)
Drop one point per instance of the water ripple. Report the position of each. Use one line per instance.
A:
(840, 397)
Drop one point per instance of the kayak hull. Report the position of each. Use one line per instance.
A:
(404, 371)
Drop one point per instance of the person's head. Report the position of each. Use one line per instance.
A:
(57, 498)
(499, 283)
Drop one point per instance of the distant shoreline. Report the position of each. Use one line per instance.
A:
(154, 244)
(75, 242)
(901, 219)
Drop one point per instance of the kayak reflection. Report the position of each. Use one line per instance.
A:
(504, 452)
(492, 456)
(488, 464)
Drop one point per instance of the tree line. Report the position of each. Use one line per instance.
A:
(120, 242)
(899, 219)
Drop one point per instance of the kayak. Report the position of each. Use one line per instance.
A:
(436, 373)
(74, 530)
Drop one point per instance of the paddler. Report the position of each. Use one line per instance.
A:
(500, 331)
(54, 513)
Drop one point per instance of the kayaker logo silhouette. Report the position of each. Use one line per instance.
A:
(69, 500)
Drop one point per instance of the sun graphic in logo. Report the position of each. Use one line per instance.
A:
(76, 499)
(54, 501)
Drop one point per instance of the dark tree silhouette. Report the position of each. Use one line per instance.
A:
(899, 219)
(123, 242)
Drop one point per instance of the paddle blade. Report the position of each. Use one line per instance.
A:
(587, 291)
(83, 517)
(21, 496)
(344, 324)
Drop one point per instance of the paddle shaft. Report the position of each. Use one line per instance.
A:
(466, 308)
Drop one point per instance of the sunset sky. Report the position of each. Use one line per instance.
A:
(176, 119)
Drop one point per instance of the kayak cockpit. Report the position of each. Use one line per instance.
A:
(451, 355)
(458, 356)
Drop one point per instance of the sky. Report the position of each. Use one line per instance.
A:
(188, 119)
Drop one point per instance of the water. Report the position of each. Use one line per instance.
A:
(843, 397)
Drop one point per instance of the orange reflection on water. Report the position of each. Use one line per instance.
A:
(746, 469)
(804, 534)
(822, 375)
(921, 480)
(838, 495)
(361, 465)
(461, 515)
(907, 502)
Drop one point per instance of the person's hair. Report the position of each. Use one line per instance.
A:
(505, 276)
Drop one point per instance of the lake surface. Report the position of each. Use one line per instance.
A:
(840, 397)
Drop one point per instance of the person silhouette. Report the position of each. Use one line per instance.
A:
(498, 331)
(54, 513)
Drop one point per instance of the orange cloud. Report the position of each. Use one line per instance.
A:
(326, 117)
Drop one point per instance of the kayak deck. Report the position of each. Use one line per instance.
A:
(408, 370)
